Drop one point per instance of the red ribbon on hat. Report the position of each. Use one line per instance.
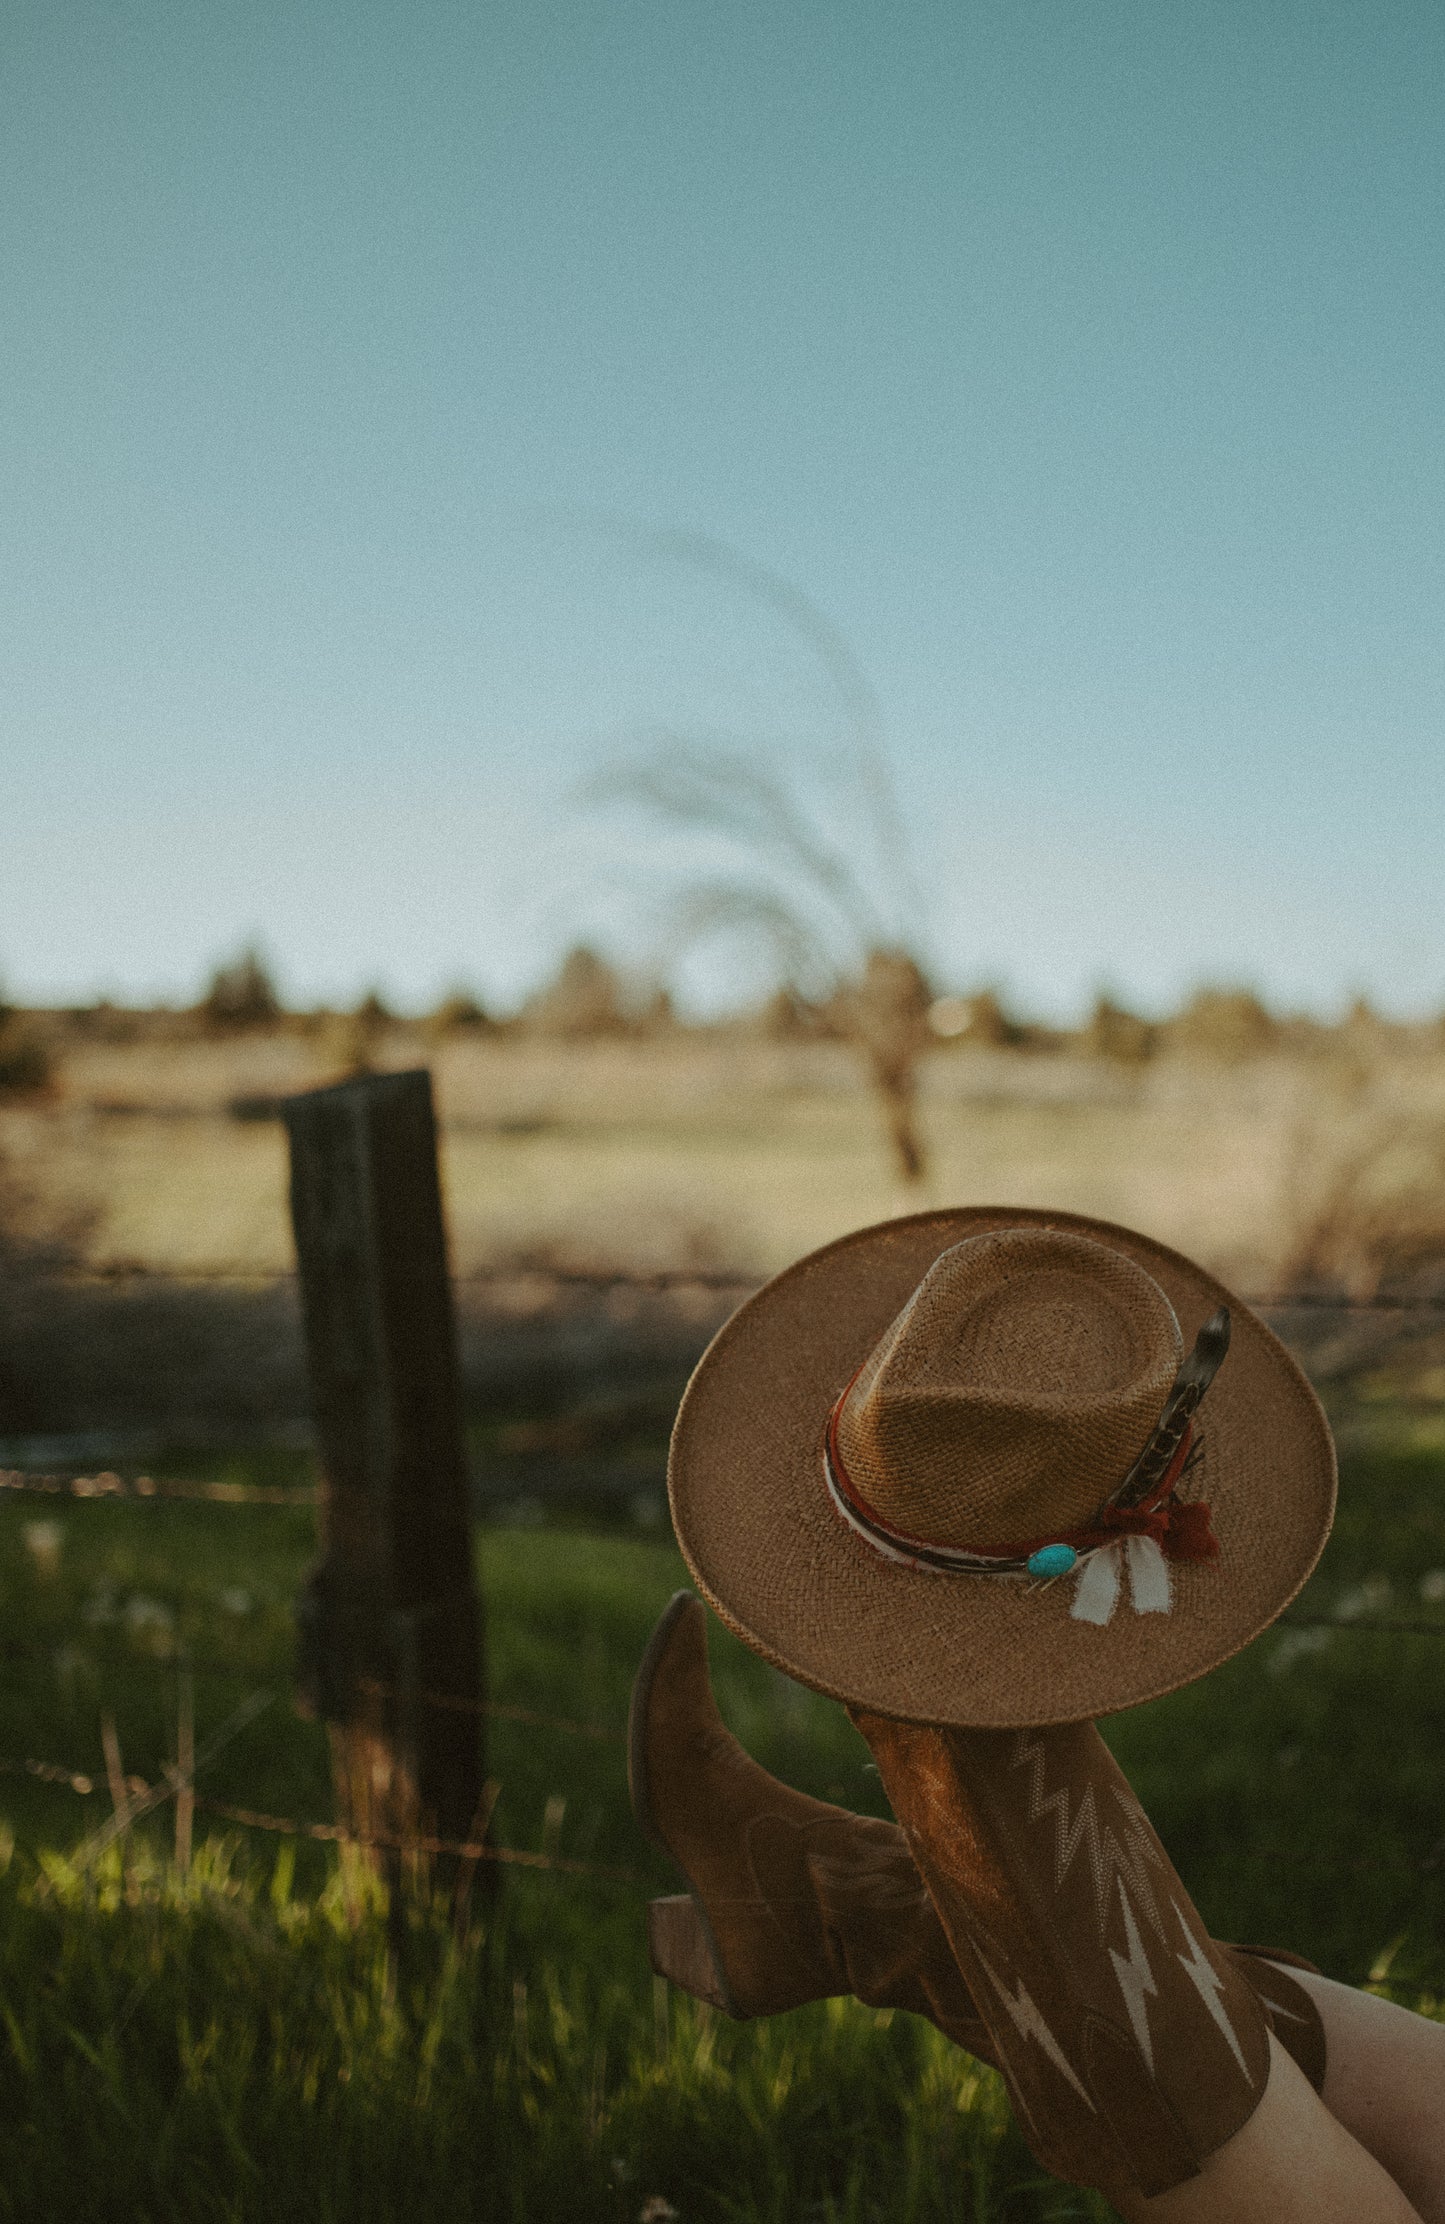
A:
(1183, 1530)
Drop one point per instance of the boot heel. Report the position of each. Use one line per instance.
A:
(680, 1948)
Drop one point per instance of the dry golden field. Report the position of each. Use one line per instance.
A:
(720, 1150)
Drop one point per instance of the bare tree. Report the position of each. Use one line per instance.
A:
(811, 859)
(889, 1010)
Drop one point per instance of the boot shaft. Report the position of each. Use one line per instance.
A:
(1132, 2046)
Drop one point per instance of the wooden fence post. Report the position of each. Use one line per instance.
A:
(391, 1618)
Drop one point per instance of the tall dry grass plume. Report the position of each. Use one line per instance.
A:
(803, 853)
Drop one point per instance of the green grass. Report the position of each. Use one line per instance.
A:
(237, 2043)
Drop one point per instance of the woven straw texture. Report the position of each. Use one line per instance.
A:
(772, 1557)
(1013, 1393)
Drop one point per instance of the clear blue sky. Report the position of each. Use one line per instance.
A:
(1081, 359)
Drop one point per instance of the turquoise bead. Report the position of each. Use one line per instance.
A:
(1053, 1559)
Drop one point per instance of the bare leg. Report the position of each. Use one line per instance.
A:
(1385, 2083)
(1292, 2163)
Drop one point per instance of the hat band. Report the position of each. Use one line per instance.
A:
(1180, 1528)
(1144, 1505)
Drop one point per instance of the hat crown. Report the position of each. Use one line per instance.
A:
(1013, 1393)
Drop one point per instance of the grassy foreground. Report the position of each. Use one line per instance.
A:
(235, 2043)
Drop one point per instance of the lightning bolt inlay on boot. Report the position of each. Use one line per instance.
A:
(795, 1900)
(1132, 2046)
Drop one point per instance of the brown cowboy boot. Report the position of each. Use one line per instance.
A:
(1132, 2046)
(795, 1900)
(792, 1899)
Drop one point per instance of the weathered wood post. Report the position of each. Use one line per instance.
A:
(391, 1618)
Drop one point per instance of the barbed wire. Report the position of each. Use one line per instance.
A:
(145, 1797)
(107, 1484)
(455, 1702)
(659, 1279)
(1344, 1623)
(336, 1833)
(602, 1278)
(40, 1483)
(250, 1818)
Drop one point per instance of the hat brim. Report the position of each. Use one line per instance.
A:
(772, 1557)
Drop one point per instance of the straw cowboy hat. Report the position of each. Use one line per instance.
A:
(998, 1468)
